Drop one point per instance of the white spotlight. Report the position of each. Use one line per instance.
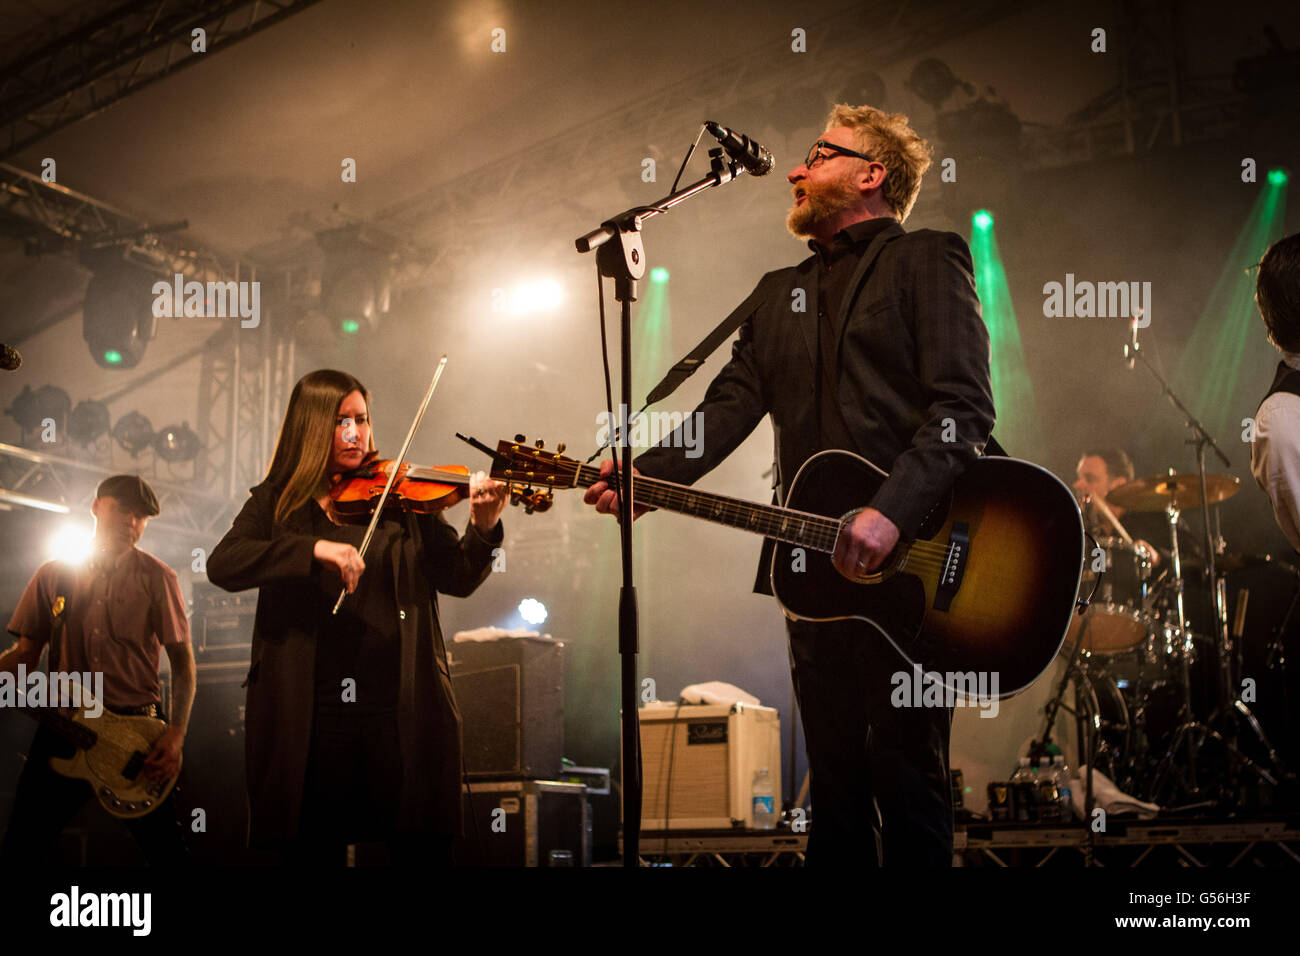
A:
(532, 610)
(544, 295)
(71, 543)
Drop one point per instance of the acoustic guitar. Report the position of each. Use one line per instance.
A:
(988, 586)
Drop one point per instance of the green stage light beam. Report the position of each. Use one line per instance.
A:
(1018, 427)
(1228, 361)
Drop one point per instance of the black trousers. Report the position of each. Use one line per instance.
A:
(45, 801)
(353, 793)
(880, 789)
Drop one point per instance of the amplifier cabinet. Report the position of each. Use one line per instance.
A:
(222, 626)
(511, 698)
(698, 763)
(525, 823)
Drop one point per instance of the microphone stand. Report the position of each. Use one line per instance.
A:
(1230, 704)
(620, 255)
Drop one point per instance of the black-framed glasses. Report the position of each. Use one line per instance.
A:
(815, 154)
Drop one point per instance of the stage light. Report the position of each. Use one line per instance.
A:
(984, 129)
(133, 433)
(658, 274)
(177, 443)
(31, 408)
(527, 298)
(88, 421)
(71, 543)
(532, 610)
(982, 219)
(117, 319)
(1277, 177)
(866, 87)
(933, 81)
(356, 278)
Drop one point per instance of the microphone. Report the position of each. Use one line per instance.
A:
(754, 157)
(10, 358)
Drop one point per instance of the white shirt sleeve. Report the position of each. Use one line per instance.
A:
(1275, 460)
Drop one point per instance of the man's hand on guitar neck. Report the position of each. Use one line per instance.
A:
(864, 543)
(605, 500)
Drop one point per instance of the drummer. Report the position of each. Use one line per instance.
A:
(1100, 471)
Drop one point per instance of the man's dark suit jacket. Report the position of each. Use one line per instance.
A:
(913, 363)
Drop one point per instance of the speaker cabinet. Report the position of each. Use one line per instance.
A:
(511, 697)
(698, 764)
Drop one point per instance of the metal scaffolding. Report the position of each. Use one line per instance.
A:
(240, 374)
(89, 65)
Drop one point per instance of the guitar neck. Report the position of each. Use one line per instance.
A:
(784, 524)
(67, 728)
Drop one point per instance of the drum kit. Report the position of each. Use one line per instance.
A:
(1164, 687)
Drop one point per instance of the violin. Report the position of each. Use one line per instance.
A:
(421, 489)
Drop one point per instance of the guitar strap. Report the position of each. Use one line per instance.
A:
(697, 356)
(59, 611)
(691, 363)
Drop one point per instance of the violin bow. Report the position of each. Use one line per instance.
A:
(392, 474)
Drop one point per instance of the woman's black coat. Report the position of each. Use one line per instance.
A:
(277, 558)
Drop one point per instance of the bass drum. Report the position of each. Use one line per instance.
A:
(1151, 680)
(1117, 619)
(1116, 754)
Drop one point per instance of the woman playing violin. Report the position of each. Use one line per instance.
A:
(352, 732)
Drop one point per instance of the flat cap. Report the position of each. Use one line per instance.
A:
(130, 490)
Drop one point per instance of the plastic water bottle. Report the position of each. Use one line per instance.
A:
(1022, 793)
(1063, 788)
(764, 801)
(1049, 798)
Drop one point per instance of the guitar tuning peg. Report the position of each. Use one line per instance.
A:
(540, 444)
(521, 439)
(559, 449)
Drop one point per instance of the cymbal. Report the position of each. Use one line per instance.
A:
(1182, 491)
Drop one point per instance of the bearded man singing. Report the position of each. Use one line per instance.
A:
(883, 354)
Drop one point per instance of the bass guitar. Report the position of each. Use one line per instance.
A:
(110, 754)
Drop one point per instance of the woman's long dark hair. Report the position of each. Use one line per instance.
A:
(302, 451)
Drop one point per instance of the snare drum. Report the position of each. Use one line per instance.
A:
(1118, 617)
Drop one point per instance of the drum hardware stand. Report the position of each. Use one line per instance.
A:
(1277, 652)
(1087, 719)
(1236, 709)
(1191, 783)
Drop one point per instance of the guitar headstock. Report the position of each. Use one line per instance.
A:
(539, 471)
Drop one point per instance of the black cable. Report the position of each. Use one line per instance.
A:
(478, 837)
(689, 153)
(604, 358)
(668, 792)
(615, 428)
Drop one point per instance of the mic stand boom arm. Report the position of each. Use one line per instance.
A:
(724, 171)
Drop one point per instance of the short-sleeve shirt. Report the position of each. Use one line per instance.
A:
(1275, 453)
(117, 615)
